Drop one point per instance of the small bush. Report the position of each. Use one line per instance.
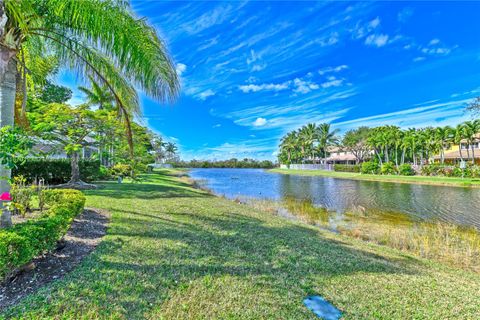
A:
(347, 167)
(406, 170)
(370, 167)
(24, 241)
(388, 168)
(121, 170)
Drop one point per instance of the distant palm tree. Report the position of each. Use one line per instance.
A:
(308, 136)
(471, 129)
(326, 137)
(459, 136)
(289, 143)
(444, 137)
(98, 95)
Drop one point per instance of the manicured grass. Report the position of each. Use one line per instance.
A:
(174, 252)
(441, 181)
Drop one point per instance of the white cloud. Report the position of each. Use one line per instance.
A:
(418, 59)
(378, 40)
(205, 94)
(302, 86)
(332, 82)
(374, 23)
(434, 42)
(264, 87)
(218, 125)
(259, 122)
(180, 68)
(259, 67)
(332, 39)
(332, 69)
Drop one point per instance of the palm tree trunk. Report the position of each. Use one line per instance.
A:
(460, 151)
(473, 154)
(8, 71)
(387, 158)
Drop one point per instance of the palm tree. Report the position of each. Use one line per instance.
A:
(95, 38)
(459, 135)
(307, 136)
(471, 129)
(289, 144)
(326, 138)
(443, 137)
(170, 149)
(98, 95)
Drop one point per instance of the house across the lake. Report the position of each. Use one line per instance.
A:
(454, 155)
(340, 156)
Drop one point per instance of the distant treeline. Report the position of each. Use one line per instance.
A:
(231, 163)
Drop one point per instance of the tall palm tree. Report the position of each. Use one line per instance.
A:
(471, 129)
(459, 135)
(98, 95)
(170, 149)
(289, 144)
(326, 137)
(307, 136)
(443, 137)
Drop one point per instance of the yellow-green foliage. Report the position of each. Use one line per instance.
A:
(24, 241)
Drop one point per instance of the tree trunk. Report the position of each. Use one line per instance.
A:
(473, 154)
(460, 151)
(75, 168)
(8, 70)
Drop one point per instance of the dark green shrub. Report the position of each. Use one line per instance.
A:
(388, 168)
(370, 167)
(347, 167)
(406, 170)
(56, 171)
(24, 241)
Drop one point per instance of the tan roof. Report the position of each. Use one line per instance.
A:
(342, 157)
(456, 154)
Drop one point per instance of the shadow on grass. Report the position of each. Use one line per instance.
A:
(149, 257)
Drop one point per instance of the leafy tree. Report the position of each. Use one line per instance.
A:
(68, 126)
(355, 141)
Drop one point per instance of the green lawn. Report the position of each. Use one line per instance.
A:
(174, 252)
(442, 181)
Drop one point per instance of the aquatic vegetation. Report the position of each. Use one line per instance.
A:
(446, 242)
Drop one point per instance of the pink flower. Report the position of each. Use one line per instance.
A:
(5, 196)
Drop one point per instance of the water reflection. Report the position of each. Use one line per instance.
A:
(453, 204)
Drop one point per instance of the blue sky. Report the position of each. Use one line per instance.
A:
(253, 70)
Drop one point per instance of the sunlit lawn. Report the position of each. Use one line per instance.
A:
(174, 252)
(448, 181)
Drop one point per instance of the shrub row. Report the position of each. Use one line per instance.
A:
(471, 171)
(387, 168)
(24, 241)
(56, 171)
(347, 167)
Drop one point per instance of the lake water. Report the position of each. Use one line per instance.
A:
(452, 204)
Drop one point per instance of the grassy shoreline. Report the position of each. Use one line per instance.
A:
(176, 252)
(437, 181)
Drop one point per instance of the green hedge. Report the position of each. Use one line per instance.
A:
(24, 241)
(347, 167)
(56, 171)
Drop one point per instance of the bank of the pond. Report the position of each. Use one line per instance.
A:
(175, 252)
(439, 181)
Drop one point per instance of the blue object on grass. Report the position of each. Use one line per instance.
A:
(322, 308)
